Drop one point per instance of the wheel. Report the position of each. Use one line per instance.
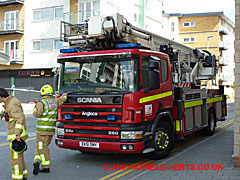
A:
(164, 141)
(210, 129)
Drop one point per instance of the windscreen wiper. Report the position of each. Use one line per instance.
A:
(113, 91)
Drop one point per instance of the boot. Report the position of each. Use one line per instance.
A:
(45, 170)
(36, 168)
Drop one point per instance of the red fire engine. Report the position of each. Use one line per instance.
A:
(132, 91)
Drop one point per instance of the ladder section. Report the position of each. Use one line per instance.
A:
(107, 32)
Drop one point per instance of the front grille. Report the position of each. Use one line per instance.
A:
(91, 122)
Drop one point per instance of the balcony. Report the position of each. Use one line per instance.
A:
(223, 30)
(10, 2)
(11, 26)
(222, 46)
(4, 59)
(16, 56)
(221, 61)
(222, 77)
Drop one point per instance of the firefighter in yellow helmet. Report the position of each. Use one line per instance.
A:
(16, 133)
(46, 113)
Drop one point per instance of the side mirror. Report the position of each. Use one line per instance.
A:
(55, 81)
(153, 65)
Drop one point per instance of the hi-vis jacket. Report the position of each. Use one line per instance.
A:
(46, 114)
(17, 122)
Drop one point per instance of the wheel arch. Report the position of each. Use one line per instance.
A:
(163, 117)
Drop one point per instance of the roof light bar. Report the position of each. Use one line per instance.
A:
(129, 45)
(71, 50)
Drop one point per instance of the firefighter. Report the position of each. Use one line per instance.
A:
(46, 113)
(16, 131)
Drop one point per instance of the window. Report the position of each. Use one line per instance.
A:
(164, 70)
(96, 8)
(135, 17)
(189, 24)
(187, 40)
(58, 44)
(88, 9)
(47, 44)
(37, 14)
(48, 13)
(172, 26)
(11, 48)
(186, 24)
(36, 45)
(11, 20)
(58, 12)
(144, 70)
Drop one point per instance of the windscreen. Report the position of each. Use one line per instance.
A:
(99, 75)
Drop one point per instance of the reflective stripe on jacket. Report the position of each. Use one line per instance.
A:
(17, 122)
(47, 121)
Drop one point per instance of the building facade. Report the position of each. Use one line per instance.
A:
(146, 14)
(236, 146)
(42, 32)
(213, 32)
(12, 32)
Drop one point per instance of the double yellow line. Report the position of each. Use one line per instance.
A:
(145, 161)
(225, 124)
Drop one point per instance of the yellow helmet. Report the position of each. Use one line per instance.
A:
(46, 90)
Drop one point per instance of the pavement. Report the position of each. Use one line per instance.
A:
(209, 158)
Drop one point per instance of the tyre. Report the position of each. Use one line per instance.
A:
(164, 141)
(210, 129)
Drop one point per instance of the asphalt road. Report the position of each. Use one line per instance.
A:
(68, 164)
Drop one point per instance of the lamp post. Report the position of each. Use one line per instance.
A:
(208, 37)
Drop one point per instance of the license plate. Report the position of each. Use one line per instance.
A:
(88, 144)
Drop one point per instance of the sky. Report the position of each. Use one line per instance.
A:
(198, 6)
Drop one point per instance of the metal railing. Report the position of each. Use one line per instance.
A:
(221, 60)
(223, 29)
(16, 56)
(222, 45)
(12, 25)
(223, 77)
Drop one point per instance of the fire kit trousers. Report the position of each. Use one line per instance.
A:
(19, 170)
(42, 153)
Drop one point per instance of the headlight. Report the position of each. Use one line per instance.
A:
(131, 134)
(60, 131)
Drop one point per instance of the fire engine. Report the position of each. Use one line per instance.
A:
(132, 91)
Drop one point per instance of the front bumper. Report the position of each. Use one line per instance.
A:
(111, 147)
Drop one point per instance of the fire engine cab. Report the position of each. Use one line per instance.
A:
(132, 91)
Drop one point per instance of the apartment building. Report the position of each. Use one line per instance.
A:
(12, 33)
(146, 14)
(30, 34)
(211, 31)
